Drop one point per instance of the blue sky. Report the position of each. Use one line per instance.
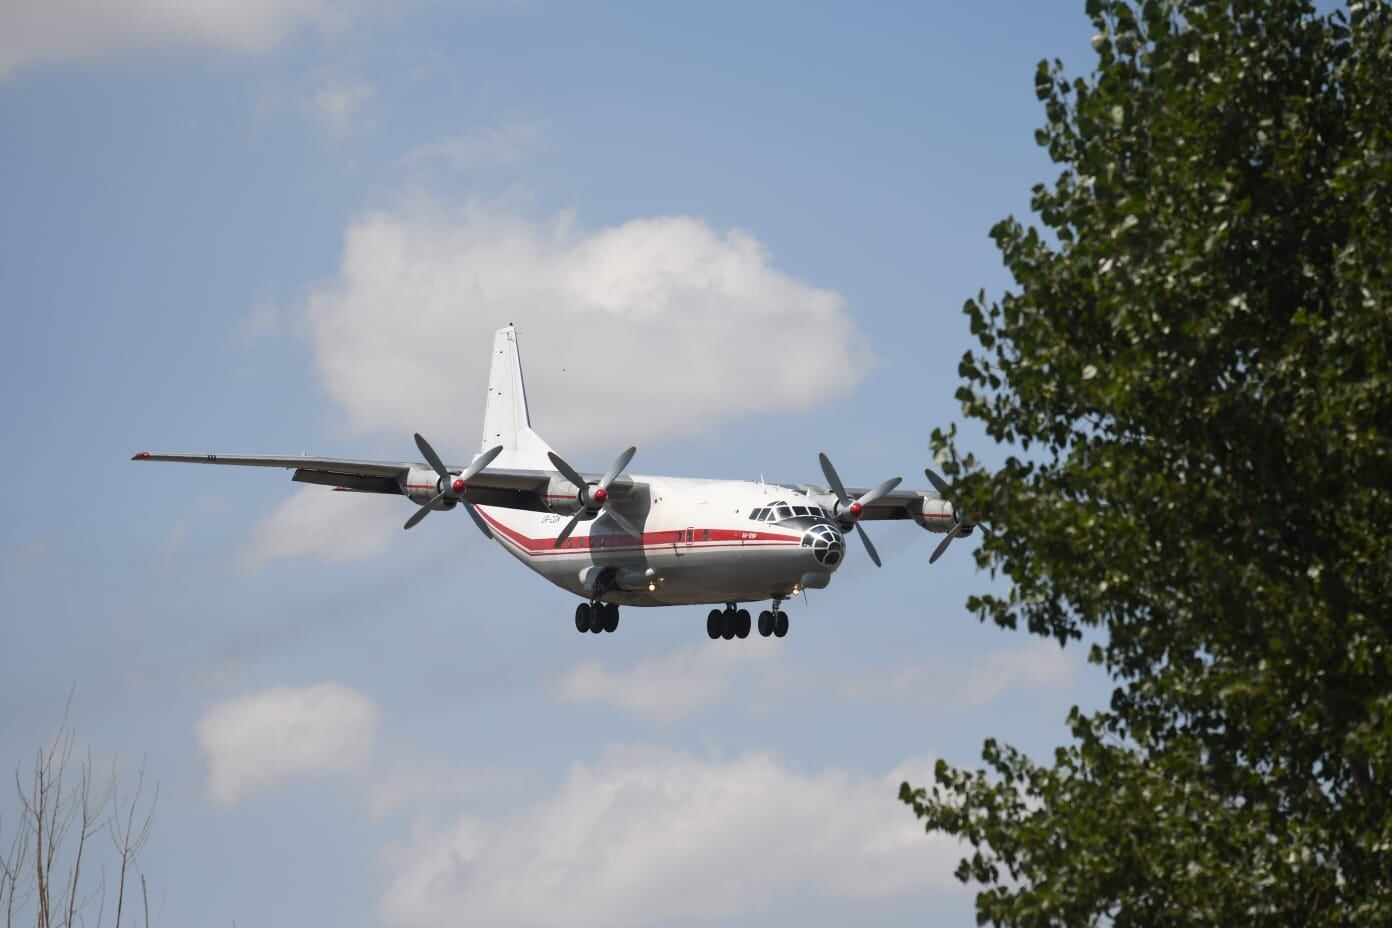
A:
(732, 234)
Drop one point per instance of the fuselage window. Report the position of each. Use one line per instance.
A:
(705, 534)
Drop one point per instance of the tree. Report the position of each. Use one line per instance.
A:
(73, 823)
(1193, 376)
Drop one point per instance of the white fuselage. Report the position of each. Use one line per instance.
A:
(699, 544)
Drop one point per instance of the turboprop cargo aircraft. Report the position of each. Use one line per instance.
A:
(613, 539)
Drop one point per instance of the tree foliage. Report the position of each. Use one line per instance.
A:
(1194, 374)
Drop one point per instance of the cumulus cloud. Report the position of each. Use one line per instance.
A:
(650, 836)
(336, 102)
(256, 742)
(64, 30)
(665, 687)
(498, 144)
(656, 327)
(317, 523)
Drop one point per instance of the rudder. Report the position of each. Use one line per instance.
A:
(506, 420)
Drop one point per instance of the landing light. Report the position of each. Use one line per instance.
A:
(652, 587)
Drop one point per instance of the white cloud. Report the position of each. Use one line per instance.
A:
(336, 102)
(35, 549)
(253, 743)
(64, 30)
(656, 327)
(318, 523)
(949, 686)
(416, 782)
(485, 145)
(264, 320)
(668, 686)
(665, 687)
(648, 836)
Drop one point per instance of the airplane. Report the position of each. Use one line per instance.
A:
(613, 539)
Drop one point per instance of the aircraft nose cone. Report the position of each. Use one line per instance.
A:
(826, 544)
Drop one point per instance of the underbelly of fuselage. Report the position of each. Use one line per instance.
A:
(685, 573)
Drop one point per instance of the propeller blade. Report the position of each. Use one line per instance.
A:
(478, 520)
(570, 527)
(619, 464)
(482, 461)
(870, 549)
(423, 511)
(432, 458)
(880, 490)
(567, 471)
(942, 546)
(622, 522)
(832, 478)
(938, 483)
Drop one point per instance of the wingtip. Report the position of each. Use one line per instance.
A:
(140, 456)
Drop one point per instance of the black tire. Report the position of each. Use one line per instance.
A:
(729, 621)
(780, 626)
(713, 624)
(742, 623)
(766, 623)
(597, 618)
(611, 617)
(583, 614)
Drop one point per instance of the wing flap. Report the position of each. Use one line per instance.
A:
(361, 483)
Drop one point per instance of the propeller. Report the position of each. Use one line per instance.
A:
(451, 487)
(960, 526)
(848, 511)
(594, 497)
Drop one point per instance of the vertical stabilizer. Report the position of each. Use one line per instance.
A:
(505, 418)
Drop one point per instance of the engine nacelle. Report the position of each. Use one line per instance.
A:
(936, 515)
(421, 484)
(562, 496)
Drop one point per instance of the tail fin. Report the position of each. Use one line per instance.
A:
(505, 418)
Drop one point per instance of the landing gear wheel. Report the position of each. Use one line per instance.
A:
(766, 623)
(611, 617)
(729, 622)
(712, 623)
(780, 624)
(742, 623)
(583, 615)
(597, 618)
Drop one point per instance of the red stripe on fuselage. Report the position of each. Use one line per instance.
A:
(585, 544)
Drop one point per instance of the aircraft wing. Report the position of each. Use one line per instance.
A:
(512, 489)
(923, 506)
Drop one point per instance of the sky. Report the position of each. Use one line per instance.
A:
(732, 234)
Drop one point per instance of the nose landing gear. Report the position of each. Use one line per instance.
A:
(596, 617)
(774, 623)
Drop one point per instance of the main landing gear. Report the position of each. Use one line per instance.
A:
(730, 622)
(596, 617)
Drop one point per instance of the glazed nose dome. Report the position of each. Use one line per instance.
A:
(826, 543)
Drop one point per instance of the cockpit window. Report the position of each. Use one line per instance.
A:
(758, 515)
(783, 512)
(801, 511)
